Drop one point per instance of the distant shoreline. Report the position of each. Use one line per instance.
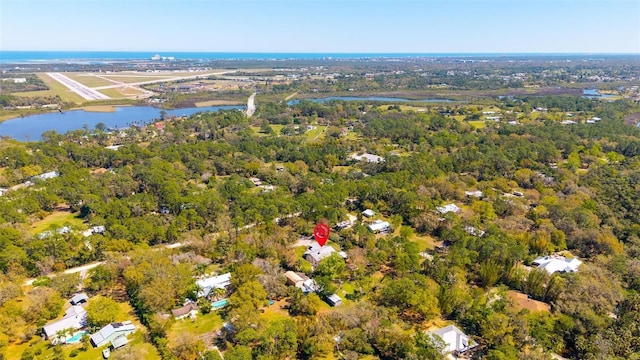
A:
(45, 57)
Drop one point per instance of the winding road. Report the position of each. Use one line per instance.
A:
(251, 105)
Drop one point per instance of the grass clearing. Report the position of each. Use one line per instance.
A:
(315, 134)
(57, 220)
(218, 103)
(89, 80)
(425, 242)
(479, 124)
(60, 90)
(201, 325)
(112, 93)
(135, 79)
(37, 93)
(99, 108)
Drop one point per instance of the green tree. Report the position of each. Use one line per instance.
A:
(101, 311)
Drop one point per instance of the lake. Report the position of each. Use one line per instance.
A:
(30, 128)
(368, 98)
(595, 94)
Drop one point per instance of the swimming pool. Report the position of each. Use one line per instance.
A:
(219, 304)
(76, 337)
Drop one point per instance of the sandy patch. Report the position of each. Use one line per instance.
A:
(521, 301)
(99, 108)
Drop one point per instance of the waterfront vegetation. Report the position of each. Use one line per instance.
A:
(180, 200)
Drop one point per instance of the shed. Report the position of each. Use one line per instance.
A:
(79, 299)
(119, 342)
(334, 300)
(368, 213)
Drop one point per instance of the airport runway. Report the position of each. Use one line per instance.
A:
(82, 90)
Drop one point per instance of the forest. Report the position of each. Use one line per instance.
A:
(222, 193)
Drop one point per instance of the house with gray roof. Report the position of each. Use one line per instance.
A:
(111, 332)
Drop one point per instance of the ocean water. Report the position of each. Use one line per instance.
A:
(30, 57)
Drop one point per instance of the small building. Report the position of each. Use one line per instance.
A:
(452, 340)
(476, 194)
(256, 181)
(369, 213)
(556, 263)
(112, 332)
(206, 285)
(342, 225)
(79, 299)
(370, 158)
(301, 281)
(45, 176)
(119, 342)
(334, 300)
(473, 231)
(74, 318)
(379, 226)
(448, 208)
(189, 310)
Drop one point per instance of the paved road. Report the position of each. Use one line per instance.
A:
(87, 93)
(166, 79)
(251, 105)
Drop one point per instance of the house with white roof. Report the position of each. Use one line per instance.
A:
(206, 285)
(448, 208)
(452, 340)
(111, 332)
(556, 263)
(474, 231)
(367, 157)
(45, 176)
(368, 213)
(379, 226)
(476, 194)
(79, 298)
(74, 318)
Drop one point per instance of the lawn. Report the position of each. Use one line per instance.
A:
(202, 324)
(112, 93)
(316, 133)
(57, 220)
(60, 90)
(479, 124)
(425, 242)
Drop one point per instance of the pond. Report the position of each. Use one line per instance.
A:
(367, 98)
(595, 94)
(30, 128)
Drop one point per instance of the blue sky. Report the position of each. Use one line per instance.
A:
(416, 26)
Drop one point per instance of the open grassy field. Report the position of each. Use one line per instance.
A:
(425, 242)
(99, 108)
(60, 90)
(201, 325)
(89, 79)
(218, 103)
(56, 220)
(479, 124)
(38, 93)
(315, 134)
(135, 79)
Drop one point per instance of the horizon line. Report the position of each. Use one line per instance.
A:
(337, 52)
